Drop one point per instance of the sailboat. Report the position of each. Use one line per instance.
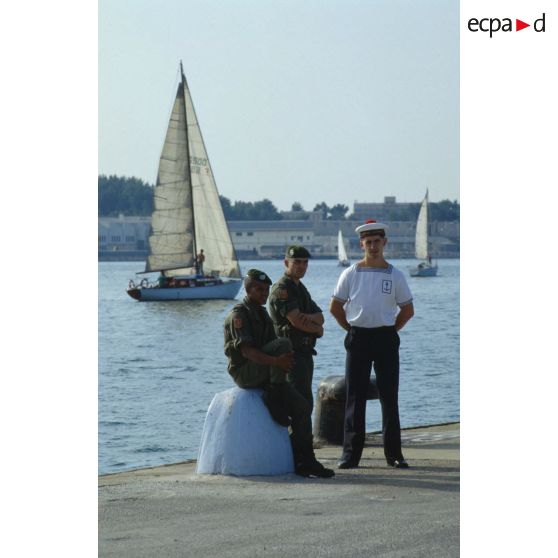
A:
(341, 252)
(187, 217)
(425, 268)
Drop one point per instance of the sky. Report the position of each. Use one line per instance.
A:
(298, 100)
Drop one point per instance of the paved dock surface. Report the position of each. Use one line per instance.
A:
(372, 511)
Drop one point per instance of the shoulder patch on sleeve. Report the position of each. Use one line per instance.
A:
(237, 321)
(283, 294)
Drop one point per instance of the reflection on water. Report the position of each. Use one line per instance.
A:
(162, 362)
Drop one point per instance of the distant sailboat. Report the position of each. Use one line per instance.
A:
(187, 217)
(425, 268)
(341, 252)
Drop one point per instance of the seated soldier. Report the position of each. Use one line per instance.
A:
(258, 359)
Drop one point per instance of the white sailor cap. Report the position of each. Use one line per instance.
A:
(371, 227)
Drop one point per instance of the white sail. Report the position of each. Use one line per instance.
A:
(212, 233)
(421, 236)
(171, 236)
(342, 253)
(187, 213)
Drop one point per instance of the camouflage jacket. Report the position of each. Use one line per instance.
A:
(285, 296)
(246, 323)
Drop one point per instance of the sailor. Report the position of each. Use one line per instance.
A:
(372, 302)
(297, 317)
(200, 258)
(259, 359)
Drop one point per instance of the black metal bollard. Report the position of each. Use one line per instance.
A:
(330, 409)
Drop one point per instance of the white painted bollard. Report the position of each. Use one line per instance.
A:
(240, 438)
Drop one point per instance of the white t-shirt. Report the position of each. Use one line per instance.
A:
(371, 295)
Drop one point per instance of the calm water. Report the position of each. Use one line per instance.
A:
(162, 362)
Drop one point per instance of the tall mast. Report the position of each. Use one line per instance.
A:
(184, 87)
(427, 225)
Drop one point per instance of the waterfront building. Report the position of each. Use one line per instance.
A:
(269, 239)
(389, 210)
(125, 238)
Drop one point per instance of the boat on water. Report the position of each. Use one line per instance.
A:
(341, 252)
(425, 268)
(187, 219)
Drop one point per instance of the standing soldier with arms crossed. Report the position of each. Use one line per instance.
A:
(365, 303)
(296, 316)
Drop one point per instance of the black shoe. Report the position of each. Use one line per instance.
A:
(398, 463)
(274, 402)
(314, 469)
(347, 464)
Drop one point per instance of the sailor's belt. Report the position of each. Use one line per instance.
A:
(372, 329)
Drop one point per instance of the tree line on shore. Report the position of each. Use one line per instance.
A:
(132, 196)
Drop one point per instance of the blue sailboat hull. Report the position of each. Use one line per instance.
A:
(424, 270)
(225, 290)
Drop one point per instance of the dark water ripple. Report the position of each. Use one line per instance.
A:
(161, 363)
(151, 449)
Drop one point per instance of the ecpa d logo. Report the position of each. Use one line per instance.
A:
(492, 25)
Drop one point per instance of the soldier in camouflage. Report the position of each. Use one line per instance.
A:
(298, 318)
(259, 359)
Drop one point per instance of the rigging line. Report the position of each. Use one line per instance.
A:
(161, 158)
(166, 199)
(171, 182)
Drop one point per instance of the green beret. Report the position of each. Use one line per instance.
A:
(258, 276)
(297, 252)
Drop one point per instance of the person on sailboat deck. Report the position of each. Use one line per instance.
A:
(372, 302)
(260, 359)
(296, 316)
(162, 280)
(200, 258)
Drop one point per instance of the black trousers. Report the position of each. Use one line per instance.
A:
(366, 346)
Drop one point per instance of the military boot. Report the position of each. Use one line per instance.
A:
(313, 468)
(274, 399)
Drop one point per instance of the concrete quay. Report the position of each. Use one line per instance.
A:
(372, 511)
